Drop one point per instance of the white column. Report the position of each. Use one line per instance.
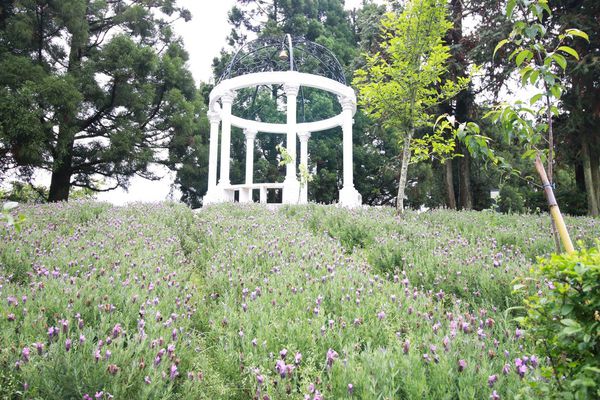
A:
(226, 101)
(211, 194)
(246, 194)
(304, 136)
(349, 196)
(292, 186)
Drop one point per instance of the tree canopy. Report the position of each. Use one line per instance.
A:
(90, 89)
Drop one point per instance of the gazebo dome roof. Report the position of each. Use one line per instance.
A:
(269, 54)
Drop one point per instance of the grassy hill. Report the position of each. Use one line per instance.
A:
(158, 302)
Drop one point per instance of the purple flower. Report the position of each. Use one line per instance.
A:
(147, 380)
(406, 346)
(506, 369)
(87, 397)
(446, 342)
(534, 361)
(64, 323)
(173, 372)
(332, 355)
(350, 389)
(521, 370)
(25, 354)
(52, 331)
(107, 354)
(492, 379)
(426, 358)
(281, 368)
(11, 317)
(99, 395)
(81, 339)
(174, 334)
(260, 379)
(381, 315)
(298, 357)
(518, 362)
(68, 344)
(283, 354)
(39, 347)
(171, 349)
(462, 364)
(289, 368)
(116, 331)
(518, 333)
(495, 396)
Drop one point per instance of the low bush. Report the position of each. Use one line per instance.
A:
(563, 318)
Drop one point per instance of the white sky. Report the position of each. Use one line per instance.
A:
(204, 36)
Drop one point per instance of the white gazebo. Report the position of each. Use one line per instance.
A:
(278, 61)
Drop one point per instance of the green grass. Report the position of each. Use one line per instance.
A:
(239, 284)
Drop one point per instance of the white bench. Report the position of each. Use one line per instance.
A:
(245, 191)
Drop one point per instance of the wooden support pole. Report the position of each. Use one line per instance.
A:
(554, 210)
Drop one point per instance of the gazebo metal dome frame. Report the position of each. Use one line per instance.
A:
(264, 55)
(292, 63)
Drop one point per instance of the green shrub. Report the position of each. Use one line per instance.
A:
(511, 200)
(564, 320)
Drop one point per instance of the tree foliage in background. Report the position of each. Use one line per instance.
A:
(402, 83)
(329, 24)
(90, 89)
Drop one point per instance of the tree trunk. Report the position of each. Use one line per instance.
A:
(594, 164)
(466, 195)
(579, 178)
(449, 181)
(60, 185)
(403, 172)
(589, 183)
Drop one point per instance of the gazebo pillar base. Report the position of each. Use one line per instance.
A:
(213, 196)
(291, 191)
(349, 197)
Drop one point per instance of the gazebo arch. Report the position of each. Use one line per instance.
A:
(278, 61)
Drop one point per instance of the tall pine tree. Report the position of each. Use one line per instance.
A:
(90, 89)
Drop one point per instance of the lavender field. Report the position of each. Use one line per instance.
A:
(240, 302)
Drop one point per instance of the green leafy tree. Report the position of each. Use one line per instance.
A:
(90, 89)
(540, 56)
(402, 83)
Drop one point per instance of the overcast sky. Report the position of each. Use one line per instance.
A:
(204, 36)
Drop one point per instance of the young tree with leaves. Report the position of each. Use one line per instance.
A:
(403, 83)
(91, 89)
(540, 57)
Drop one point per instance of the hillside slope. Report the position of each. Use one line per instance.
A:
(154, 301)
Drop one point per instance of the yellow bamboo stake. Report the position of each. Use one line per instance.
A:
(554, 210)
